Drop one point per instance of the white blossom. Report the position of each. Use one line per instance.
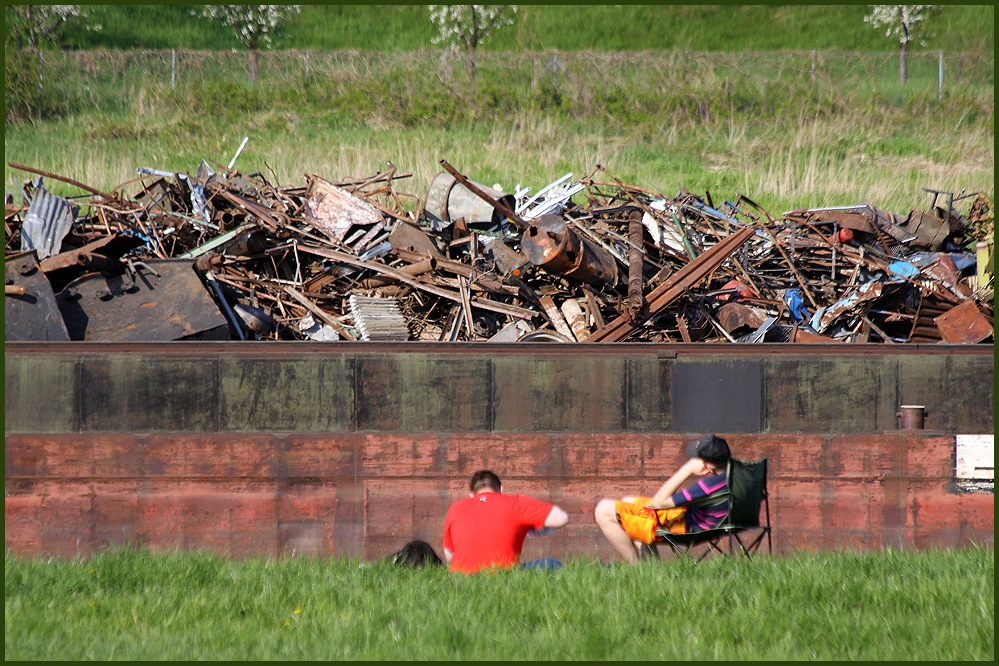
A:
(255, 25)
(467, 26)
(38, 22)
(903, 22)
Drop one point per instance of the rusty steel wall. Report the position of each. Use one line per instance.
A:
(412, 387)
(352, 450)
(365, 495)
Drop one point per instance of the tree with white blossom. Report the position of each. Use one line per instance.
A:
(31, 25)
(35, 26)
(257, 26)
(906, 23)
(465, 27)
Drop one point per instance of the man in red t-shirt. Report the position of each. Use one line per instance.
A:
(487, 529)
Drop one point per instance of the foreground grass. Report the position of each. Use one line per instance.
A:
(132, 604)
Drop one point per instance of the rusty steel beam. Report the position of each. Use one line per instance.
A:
(319, 312)
(264, 214)
(477, 301)
(81, 256)
(675, 286)
(503, 209)
(64, 179)
(486, 281)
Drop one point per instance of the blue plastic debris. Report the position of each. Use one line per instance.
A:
(903, 269)
(796, 304)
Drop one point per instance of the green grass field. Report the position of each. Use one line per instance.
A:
(738, 114)
(786, 146)
(131, 604)
(538, 27)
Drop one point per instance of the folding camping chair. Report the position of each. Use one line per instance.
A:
(747, 489)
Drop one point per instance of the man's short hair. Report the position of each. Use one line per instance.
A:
(711, 448)
(484, 479)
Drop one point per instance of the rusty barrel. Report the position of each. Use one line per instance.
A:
(550, 244)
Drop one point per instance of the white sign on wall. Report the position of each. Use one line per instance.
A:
(975, 462)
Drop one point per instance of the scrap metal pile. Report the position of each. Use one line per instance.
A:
(225, 255)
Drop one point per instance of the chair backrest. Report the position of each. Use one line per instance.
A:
(747, 482)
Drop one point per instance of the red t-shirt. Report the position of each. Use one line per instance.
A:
(489, 529)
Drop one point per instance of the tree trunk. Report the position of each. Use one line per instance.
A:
(903, 65)
(254, 64)
(470, 60)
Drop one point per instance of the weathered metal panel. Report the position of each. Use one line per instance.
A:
(48, 220)
(812, 394)
(523, 387)
(711, 395)
(164, 300)
(956, 391)
(34, 314)
(303, 394)
(426, 393)
(539, 393)
(133, 393)
(40, 394)
(649, 394)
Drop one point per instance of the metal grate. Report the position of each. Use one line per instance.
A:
(378, 318)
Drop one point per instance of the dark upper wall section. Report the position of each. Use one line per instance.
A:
(480, 388)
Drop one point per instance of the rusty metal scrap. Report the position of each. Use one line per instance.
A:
(579, 261)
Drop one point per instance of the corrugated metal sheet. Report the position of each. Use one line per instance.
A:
(378, 318)
(46, 223)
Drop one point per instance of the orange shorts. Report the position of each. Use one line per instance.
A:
(640, 522)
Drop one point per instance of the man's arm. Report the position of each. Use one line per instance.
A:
(663, 499)
(447, 555)
(556, 518)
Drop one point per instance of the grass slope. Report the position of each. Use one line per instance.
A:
(131, 604)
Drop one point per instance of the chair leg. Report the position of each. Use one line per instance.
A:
(676, 549)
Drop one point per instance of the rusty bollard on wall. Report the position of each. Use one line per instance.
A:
(911, 417)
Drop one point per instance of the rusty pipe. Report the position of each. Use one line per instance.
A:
(635, 259)
(550, 244)
(248, 244)
(419, 268)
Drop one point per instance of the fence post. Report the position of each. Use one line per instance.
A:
(41, 66)
(306, 64)
(815, 55)
(940, 77)
(173, 69)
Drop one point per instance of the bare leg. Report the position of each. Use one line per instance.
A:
(606, 519)
(643, 550)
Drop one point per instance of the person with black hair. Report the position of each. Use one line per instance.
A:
(487, 528)
(632, 521)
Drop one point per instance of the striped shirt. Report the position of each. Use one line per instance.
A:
(707, 517)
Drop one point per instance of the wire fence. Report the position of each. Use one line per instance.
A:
(90, 76)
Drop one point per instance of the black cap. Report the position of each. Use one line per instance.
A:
(711, 448)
